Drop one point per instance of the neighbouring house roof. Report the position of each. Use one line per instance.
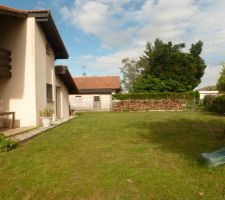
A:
(97, 84)
(208, 88)
(44, 18)
(63, 73)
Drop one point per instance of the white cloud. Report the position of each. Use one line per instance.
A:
(127, 26)
(100, 19)
(211, 75)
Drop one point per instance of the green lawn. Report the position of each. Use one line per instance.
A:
(113, 156)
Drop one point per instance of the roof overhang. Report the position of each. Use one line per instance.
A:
(96, 91)
(47, 24)
(11, 14)
(63, 73)
(44, 18)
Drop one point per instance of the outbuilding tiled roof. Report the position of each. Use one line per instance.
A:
(98, 82)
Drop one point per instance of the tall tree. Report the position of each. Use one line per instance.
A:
(174, 69)
(131, 71)
(221, 81)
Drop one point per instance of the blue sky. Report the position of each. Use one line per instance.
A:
(99, 33)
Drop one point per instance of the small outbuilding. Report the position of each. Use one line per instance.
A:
(94, 93)
(209, 90)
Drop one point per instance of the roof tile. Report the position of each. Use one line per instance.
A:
(14, 10)
(98, 82)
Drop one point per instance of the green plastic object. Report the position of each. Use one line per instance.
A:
(215, 158)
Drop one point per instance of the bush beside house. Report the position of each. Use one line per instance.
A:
(158, 95)
(214, 104)
(6, 144)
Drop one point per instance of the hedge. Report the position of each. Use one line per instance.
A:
(215, 104)
(158, 95)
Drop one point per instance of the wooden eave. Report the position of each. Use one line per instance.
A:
(63, 73)
(12, 14)
(52, 35)
(96, 91)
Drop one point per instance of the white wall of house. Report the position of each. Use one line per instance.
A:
(18, 93)
(202, 94)
(41, 70)
(85, 102)
(32, 69)
(45, 74)
(64, 98)
(106, 102)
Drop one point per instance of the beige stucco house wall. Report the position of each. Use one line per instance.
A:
(85, 102)
(32, 68)
(18, 93)
(63, 95)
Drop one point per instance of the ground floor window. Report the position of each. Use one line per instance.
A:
(49, 92)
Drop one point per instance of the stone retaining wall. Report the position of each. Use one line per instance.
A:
(148, 105)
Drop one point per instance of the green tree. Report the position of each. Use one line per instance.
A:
(149, 83)
(173, 69)
(131, 71)
(221, 81)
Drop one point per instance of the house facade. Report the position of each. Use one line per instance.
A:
(29, 80)
(94, 93)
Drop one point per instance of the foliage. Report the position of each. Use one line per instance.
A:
(159, 95)
(208, 100)
(130, 71)
(193, 105)
(214, 104)
(221, 81)
(150, 83)
(47, 112)
(167, 68)
(6, 144)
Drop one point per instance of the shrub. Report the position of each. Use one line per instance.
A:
(158, 95)
(218, 105)
(192, 105)
(214, 104)
(47, 112)
(6, 144)
(208, 100)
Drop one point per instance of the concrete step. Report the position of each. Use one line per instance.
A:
(29, 134)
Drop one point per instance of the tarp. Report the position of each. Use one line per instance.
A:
(215, 158)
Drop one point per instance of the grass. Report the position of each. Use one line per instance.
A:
(108, 156)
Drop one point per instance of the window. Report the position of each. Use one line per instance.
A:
(78, 98)
(49, 93)
(96, 98)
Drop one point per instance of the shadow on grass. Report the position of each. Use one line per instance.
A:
(189, 137)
